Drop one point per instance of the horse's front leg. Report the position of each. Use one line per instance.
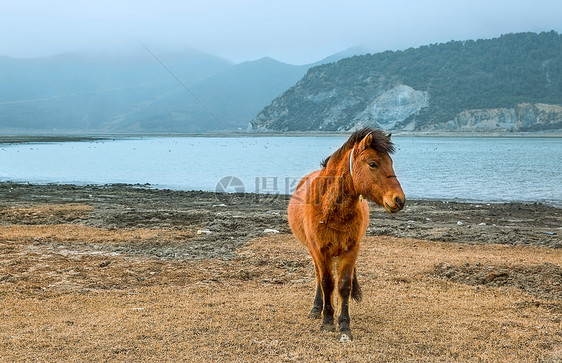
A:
(345, 278)
(316, 312)
(327, 283)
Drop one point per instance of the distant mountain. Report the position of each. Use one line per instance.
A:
(73, 92)
(511, 83)
(234, 96)
(350, 52)
(77, 93)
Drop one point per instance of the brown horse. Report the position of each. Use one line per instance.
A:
(329, 216)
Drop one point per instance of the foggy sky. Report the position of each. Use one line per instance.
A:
(293, 31)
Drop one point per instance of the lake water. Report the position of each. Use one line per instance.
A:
(447, 168)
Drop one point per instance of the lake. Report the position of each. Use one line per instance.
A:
(446, 168)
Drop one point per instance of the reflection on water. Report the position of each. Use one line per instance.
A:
(483, 169)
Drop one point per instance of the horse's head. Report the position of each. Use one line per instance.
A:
(372, 172)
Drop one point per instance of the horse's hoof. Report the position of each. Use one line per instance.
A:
(345, 337)
(328, 328)
(315, 314)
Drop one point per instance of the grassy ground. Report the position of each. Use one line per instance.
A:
(67, 297)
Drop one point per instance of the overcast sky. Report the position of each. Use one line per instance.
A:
(293, 31)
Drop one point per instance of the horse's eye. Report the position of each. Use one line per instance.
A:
(372, 164)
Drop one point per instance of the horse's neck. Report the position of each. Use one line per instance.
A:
(340, 200)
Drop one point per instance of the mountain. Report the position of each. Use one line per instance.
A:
(77, 93)
(234, 96)
(74, 92)
(510, 83)
(349, 52)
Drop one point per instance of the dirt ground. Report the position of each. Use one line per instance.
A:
(133, 273)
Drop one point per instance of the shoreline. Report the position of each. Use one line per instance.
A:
(92, 136)
(251, 195)
(27, 139)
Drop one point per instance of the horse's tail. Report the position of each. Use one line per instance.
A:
(356, 292)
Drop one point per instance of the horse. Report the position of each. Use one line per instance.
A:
(329, 214)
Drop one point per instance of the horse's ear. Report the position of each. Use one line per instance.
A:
(389, 135)
(366, 142)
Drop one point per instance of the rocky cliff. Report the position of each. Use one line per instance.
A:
(522, 117)
(512, 83)
(374, 106)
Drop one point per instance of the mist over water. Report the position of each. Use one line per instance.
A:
(466, 169)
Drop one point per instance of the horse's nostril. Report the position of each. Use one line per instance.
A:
(399, 202)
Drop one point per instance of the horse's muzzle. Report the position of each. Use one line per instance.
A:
(399, 202)
(398, 205)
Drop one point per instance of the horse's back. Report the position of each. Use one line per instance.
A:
(296, 211)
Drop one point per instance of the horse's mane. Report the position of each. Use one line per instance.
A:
(381, 143)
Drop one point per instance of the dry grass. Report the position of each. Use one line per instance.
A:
(76, 233)
(45, 213)
(58, 305)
